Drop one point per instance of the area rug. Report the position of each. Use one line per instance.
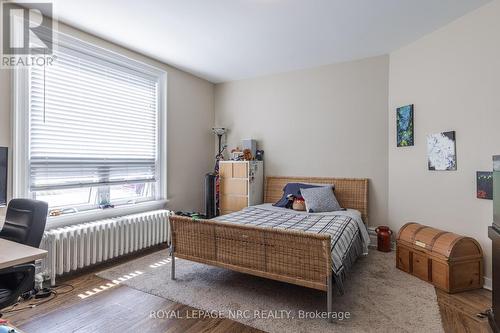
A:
(378, 297)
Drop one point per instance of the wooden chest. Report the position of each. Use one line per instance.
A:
(449, 261)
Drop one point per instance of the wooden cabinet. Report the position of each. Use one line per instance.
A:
(449, 261)
(241, 185)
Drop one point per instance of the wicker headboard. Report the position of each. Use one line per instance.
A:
(350, 192)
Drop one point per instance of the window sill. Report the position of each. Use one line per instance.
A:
(98, 214)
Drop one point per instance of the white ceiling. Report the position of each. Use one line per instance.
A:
(224, 40)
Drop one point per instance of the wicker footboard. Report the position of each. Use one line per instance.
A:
(294, 257)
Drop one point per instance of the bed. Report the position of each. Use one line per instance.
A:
(270, 248)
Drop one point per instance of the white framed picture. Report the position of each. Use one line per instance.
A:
(441, 151)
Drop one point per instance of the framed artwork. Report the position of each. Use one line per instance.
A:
(441, 151)
(484, 182)
(404, 123)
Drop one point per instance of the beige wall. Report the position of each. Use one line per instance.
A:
(190, 116)
(452, 77)
(328, 121)
(333, 121)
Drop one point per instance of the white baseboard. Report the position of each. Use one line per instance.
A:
(373, 237)
(488, 283)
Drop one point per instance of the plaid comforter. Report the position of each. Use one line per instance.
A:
(347, 237)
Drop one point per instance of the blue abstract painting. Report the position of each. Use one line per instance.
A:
(404, 119)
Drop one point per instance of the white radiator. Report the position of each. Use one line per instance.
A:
(77, 246)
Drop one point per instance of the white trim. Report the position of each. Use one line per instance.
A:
(20, 131)
(162, 139)
(373, 239)
(20, 106)
(113, 57)
(98, 214)
(488, 283)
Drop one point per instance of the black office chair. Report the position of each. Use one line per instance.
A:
(25, 224)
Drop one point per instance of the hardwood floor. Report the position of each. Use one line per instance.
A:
(459, 312)
(115, 309)
(90, 307)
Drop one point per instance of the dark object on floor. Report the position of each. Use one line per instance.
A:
(193, 215)
(24, 224)
(383, 238)
(210, 199)
(449, 261)
(15, 281)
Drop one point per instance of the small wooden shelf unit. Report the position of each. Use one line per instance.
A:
(241, 185)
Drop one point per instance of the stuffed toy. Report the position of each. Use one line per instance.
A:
(299, 204)
(247, 155)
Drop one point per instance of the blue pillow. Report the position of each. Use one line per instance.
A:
(292, 189)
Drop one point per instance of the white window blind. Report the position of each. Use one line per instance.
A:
(92, 123)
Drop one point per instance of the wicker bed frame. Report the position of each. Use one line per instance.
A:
(290, 256)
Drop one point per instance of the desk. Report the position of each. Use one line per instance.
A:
(12, 254)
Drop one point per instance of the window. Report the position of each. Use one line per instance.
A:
(95, 123)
